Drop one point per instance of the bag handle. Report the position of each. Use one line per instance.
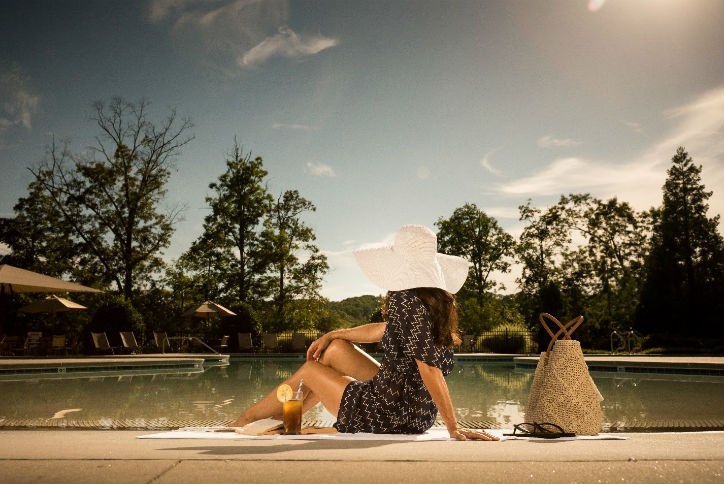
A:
(564, 329)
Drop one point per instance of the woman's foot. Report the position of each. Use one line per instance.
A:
(239, 422)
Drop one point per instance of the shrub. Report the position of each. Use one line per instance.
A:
(506, 338)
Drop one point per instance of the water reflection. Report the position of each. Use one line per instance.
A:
(495, 394)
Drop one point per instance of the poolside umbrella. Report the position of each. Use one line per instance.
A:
(208, 309)
(14, 281)
(51, 304)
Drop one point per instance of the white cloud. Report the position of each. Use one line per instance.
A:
(485, 162)
(235, 32)
(423, 172)
(634, 126)
(551, 142)
(18, 102)
(698, 126)
(320, 169)
(286, 43)
(299, 127)
(502, 212)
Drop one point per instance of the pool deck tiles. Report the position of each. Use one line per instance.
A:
(99, 457)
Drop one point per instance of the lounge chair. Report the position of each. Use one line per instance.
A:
(161, 340)
(271, 342)
(223, 344)
(245, 342)
(32, 342)
(299, 343)
(101, 343)
(129, 342)
(11, 345)
(59, 344)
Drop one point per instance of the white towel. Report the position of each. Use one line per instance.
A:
(432, 434)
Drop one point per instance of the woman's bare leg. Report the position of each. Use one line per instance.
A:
(347, 359)
(324, 381)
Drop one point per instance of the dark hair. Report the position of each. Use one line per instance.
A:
(443, 313)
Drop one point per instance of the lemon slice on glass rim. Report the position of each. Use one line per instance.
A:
(284, 392)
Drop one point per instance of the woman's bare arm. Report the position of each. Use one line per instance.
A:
(366, 333)
(435, 383)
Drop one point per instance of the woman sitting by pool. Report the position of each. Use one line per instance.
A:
(404, 393)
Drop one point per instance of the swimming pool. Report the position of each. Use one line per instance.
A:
(485, 394)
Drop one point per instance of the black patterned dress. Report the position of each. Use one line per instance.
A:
(395, 400)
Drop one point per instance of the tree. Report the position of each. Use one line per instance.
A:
(110, 200)
(35, 240)
(471, 234)
(227, 256)
(297, 267)
(582, 256)
(684, 286)
(606, 264)
(540, 247)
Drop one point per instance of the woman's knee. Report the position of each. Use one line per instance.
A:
(335, 349)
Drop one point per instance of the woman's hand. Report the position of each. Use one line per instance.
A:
(315, 350)
(465, 434)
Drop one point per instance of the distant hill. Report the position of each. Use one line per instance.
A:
(357, 310)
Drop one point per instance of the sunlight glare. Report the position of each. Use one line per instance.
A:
(595, 5)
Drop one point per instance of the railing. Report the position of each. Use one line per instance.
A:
(498, 341)
(625, 342)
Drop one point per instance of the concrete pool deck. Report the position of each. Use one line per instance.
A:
(76, 456)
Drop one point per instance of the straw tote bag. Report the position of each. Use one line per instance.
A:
(562, 391)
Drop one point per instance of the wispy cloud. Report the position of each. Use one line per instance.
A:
(485, 161)
(634, 126)
(236, 33)
(286, 43)
(551, 142)
(698, 126)
(423, 172)
(293, 126)
(320, 169)
(18, 101)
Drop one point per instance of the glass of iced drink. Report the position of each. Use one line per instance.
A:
(292, 411)
(292, 403)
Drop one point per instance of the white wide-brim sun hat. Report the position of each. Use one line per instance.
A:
(412, 260)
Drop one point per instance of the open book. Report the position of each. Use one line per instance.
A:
(260, 427)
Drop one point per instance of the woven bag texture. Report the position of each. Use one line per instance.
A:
(567, 395)
(531, 409)
(562, 391)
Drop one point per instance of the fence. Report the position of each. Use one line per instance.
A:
(504, 340)
(494, 341)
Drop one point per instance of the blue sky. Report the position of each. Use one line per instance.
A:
(381, 112)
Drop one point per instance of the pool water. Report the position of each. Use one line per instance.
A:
(484, 394)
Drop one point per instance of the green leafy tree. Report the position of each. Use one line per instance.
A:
(297, 266)
(684, 286)
(472, 234)
(35, 240)
(600, 269)
(227, 259)
(110, 199)
(540, 246)
(583, 256)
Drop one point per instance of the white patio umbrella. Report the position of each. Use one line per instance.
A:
(14, 280)
(51, 304)
(208, 309)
